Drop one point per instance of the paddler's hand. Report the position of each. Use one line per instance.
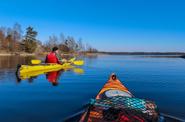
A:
(64, 60)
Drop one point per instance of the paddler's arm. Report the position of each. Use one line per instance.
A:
(59, 58)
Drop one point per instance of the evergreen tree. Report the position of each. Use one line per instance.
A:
(30, 41)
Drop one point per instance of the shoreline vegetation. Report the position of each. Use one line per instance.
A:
(144, 54)
(149, 54)
(13, 42)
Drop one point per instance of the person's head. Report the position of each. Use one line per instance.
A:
(55, 49)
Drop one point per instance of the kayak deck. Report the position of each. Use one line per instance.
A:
(44, 67)
(114, 103)
(27, 71)
(115, 87)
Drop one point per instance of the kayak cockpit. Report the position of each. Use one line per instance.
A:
(121, 109)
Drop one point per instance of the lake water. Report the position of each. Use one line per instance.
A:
(158, 79)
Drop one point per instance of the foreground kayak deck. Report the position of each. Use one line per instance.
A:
(114, 103)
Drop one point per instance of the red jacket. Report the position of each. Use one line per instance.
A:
(52, 58)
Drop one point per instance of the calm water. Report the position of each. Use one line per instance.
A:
(158, 79)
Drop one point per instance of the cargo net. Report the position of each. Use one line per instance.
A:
(122, 109)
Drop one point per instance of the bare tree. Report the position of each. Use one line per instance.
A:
(62, 38)
(17, 32)
(17, 36)
(80, 45)
(2, 37)
(71, 44)
(52, 41)
(8, 43)
(90, 49)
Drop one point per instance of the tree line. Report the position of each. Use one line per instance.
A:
(13, 40)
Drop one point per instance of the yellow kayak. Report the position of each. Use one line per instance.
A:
(43, 67)
(36, 66)
(27, 71)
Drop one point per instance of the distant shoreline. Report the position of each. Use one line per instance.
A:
(109, 53)
(145, 54)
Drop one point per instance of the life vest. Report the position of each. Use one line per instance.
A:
(51, 58)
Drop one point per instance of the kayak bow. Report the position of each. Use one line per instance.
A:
(114, 103)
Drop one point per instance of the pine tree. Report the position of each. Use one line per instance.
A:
(30, 41)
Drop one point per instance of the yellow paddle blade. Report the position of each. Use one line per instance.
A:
(79, 62)
(72, 59)
(78, 70)
(35, 61)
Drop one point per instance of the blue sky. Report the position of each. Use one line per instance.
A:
(108, 25)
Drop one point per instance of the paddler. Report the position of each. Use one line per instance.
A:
(54, 56)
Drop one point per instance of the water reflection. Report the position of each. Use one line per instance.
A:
(10, 62)
(53, 77)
